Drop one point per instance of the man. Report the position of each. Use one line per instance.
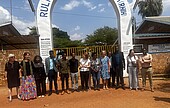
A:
(74, 63)
(64, 73)
(51, 71)
(146, 63)
(119, 66)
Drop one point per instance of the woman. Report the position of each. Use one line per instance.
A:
(84, 71)
(28, 86)
(95, 67)
(12, 70)
(105, 69)
(40, 76)
(132, 63)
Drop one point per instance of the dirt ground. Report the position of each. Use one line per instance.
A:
(97, 99)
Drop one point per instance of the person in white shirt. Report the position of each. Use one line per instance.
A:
(84, 71)
(132, 63)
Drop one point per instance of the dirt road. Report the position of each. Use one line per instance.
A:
(98, 99)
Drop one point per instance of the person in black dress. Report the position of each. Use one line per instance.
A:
(12, 69)
(40, 76)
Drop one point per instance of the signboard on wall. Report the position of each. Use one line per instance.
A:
(156, 48)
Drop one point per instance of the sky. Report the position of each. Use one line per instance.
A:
(78, 18)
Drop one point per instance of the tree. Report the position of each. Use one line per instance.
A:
(149, 8)
(105, 35)
(33, 31)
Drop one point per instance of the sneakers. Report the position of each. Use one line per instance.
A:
(104, 88)
(152, 90)
(107, 88)
(62, 93)
(68, 92)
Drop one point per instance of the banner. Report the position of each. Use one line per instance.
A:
(44, 12)
(124, 18)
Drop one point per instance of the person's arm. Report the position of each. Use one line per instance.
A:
(150, 60)
(123, 60)
(108, 62)
(88, 65)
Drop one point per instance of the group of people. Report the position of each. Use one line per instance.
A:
(29, 77)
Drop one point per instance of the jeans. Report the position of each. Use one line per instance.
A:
(133, 79)
(74, 80)
(146, 71)
(64, 77)
(96, 79)
(84, 78)
(41, 87)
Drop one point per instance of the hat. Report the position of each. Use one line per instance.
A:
(11, 55)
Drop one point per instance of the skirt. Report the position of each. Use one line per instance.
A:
(28, 88)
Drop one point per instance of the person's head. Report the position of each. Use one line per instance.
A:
(117, 49)
(131, 52)
(109, 54)
(64, 55)
(103, 53)
(51, 53)
(27, 56)
(86, 55)
(73, 55)
(37, 59)
(94, 55)
(144, 51)
(11, 57)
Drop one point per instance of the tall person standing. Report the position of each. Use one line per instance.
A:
(119, 66)
(52, 71)
(146, 63)
(74, 63)
(12, 70)
(105, 69)
(84, 71)
(132, 66)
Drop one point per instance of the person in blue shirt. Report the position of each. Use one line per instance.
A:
(52, 71)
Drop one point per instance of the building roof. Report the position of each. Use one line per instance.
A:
(11, 39)
(8, 29)
(159, 24)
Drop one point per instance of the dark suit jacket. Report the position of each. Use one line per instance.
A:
(121, 59)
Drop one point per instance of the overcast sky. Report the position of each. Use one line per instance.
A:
(77, 17)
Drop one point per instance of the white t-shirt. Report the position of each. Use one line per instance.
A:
(132, 59)
(84, 63)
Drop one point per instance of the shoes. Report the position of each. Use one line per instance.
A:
(42, 96)
(72, 90)
(123, 88)
(68, 92)
(142, 89)
(57, 92)
(136, 89)
(39, 96)
(77, 90)
(104, 88)
(50, 93)
(117, 87)
(107, 88)
(62, 93)
(152, 90)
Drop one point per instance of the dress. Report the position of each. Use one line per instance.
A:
(28, 86)
(104, 69)
(12, 74)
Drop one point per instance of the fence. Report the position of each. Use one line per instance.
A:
(81, 50)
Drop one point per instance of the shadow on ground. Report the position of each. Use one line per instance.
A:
(164, 99)
(164, 87)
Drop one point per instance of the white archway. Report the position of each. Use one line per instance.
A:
(44, 13)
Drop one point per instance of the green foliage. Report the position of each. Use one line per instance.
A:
(33, 31)
(149, 8)
(105, 35)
